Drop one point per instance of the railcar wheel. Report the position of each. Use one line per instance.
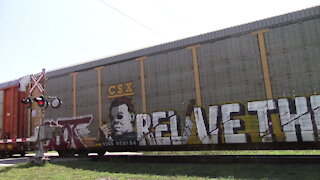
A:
(22, 154)
(101, 153)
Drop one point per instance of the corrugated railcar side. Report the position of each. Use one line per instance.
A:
(252, 86)
(13, 118)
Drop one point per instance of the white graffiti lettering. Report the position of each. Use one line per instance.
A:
(261, 108)
(301, 119)
(175, 138)
(202, 132)
(204, 136)
(230, 124)
(144, 135)
(160, 122)
(315, 105)
(213, 124)
(187, 130)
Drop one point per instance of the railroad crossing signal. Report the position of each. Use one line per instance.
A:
(54, 102)
(36, 82)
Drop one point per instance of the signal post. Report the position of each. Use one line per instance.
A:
(37, 102)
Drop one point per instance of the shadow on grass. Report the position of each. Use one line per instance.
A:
(237, 171)
(227, 171)
(20, 166)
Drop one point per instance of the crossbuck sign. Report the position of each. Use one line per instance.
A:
(36, 82)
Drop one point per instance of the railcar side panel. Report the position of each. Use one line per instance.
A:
(22, 128)
(121, 80)
(170, 87)
(64, 87)
(231, 71)
(86, 98)
(169, 81)
(293, 57)
(13, 117)
(257, 88)
(61, 87)
(11, 112)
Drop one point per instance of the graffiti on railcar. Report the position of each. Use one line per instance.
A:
(121, 127)
(281, 120)
(128, 128)
(72, 133)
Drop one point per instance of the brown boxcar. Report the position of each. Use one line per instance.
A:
(12, 118)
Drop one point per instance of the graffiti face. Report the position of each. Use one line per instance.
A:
(120, 130)
(121, 119)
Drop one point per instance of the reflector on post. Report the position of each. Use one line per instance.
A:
(56, 102)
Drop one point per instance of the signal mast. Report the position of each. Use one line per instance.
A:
(37, 102)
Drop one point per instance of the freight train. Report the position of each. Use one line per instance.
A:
(253, 86)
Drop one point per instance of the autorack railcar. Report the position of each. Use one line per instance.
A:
(253, 86)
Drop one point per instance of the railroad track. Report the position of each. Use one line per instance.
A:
(270, 159)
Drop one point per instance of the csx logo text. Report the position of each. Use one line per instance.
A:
(119, 90)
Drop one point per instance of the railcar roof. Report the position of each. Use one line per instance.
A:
(9, 83)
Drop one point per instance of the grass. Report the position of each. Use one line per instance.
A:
(99, 170)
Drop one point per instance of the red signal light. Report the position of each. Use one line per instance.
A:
(41, 101)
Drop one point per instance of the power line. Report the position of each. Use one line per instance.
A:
(131, 18)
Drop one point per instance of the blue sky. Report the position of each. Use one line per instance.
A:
(51, 34)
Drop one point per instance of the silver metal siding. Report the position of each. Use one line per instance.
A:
(230, 70)
(170, 81)
(120, 73)
(293, 54)
(87, 97)
(60, 86)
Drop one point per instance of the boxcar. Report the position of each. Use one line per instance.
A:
(13, 121)
(253, 86)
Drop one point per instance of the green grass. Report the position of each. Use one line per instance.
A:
(239, 152)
